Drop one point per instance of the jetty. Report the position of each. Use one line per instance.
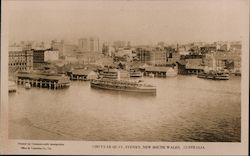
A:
(43, 80)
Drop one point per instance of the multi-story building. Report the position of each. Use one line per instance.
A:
(58, 46)
(38, 58)
(94, 44)
(50, 55)
(69, 50)
(190, 64)
(107, 49)
(20, 60)
(143, 55)
(223, 60)
(152, 56)
(208, 48)
(172, 56)
(157, 57)
(89, 44)
(83, 45)
(88, 57)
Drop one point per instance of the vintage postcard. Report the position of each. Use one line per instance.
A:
(126, 77)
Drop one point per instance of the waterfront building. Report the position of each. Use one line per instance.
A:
(157, 71)
(190, 67)
(20, 60)
(157, 57)
(181, 64)
(190, 64)
(43, 80)
(194, 65)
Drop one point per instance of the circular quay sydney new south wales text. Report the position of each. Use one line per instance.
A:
(127, 71)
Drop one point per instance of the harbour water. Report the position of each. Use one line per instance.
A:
(185, 108)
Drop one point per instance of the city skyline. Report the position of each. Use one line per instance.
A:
(144, 22)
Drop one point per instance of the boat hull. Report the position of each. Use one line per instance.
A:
(126, 89)
(213, 77)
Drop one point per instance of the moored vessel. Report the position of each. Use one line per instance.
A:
(215, 75)
(123, 85)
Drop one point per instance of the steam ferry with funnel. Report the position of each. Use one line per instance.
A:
(121, 85)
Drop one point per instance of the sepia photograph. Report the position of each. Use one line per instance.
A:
(165, 71)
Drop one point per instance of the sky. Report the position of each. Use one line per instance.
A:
(141, 22)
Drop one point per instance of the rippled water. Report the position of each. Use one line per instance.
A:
(185, 108)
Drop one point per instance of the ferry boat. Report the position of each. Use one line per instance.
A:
(215, 75)
(109, 73)
(114, 74)
(123, 85)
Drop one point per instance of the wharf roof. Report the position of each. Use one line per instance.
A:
(40, 76)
